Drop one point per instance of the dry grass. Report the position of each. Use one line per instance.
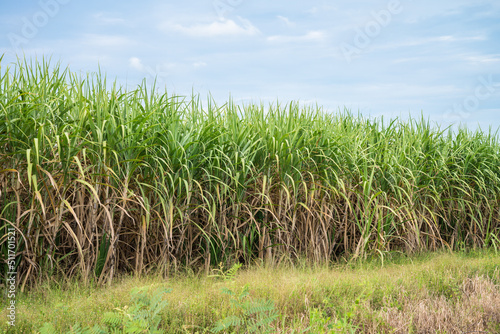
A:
(474, 307)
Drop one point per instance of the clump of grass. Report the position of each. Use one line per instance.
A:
(98, 180)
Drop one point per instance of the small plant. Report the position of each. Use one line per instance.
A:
(226, 275)
(142, 317)
(319, 321)
(249, 316)
(322, 323)
(49, 328)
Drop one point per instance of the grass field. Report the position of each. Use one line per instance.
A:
(97, 182)
(429, 293)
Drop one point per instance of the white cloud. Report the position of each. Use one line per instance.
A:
(224, 27)
(199, 64)
(160, 72)
(484, 59)
(449, 38)
(136, 63)
(322, 9)
(312, 10)
(286, 21)
(312, 36)
(429, 40)
(107, 19)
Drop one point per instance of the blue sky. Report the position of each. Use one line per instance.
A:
(392, 58)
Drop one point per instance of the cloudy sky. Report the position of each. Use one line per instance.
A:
(393, 58)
